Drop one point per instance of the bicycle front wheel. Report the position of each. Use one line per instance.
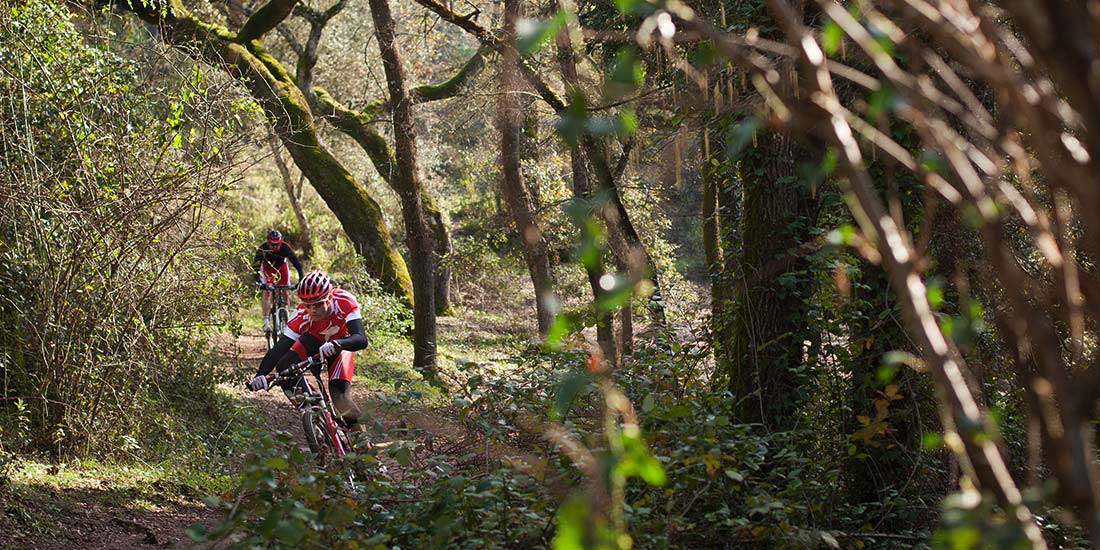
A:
(316, 437)
(281, 318)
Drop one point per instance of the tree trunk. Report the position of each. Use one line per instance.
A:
(421, 247)
(244, 58)
(605, 326)
(629, 252)
(766, 343)
(438, 225)
(513, 189)
(626, 330)
(357, 125)
(294, 197)
(720, 243)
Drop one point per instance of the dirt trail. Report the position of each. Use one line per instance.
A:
(96, 525)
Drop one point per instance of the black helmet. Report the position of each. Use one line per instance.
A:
(274, 235)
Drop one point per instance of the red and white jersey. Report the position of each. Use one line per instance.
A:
(344, 308)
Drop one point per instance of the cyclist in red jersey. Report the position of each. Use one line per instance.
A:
(327, 321)
(269, 266)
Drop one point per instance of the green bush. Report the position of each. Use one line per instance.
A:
(114, 260)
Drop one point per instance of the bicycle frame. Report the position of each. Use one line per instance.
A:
(279, 313)
(318, 399)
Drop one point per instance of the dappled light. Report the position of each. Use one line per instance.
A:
(549, 274)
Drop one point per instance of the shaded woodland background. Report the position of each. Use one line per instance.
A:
(713, 275)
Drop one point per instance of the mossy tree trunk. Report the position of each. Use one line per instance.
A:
(605, 323)
(358, 125)
(243, 56)
(410, 188)
(720, 242)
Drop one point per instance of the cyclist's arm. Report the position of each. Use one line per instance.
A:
(294, 261)
(280, 349)
(356, 338)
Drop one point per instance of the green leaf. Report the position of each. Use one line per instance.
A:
(637, 460)
(935, 297)
(570, 521)
(843, 235)
(627, 75)
(572, 385)
(563, 325)
(740, 136)
(197, 532)
(627, 7)
(735, 475)
(615, 294)
(290, 532)
(574, 120)
(931, 161)
(886, 373)
(402, 455)
(881, 100)
(649, 403)
(531, 34)
(831, 36)
(882, 40)
(931, 441)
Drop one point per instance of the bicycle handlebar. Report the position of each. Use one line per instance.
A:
(277, 287)
(291, 373)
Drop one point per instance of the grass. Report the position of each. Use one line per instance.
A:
(252, 319)
(39, 497)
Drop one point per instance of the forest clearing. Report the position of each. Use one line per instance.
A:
(549, 274)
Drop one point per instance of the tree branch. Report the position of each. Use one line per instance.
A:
(454, 85)
(488, 39)
(265, 19)
(357, 125)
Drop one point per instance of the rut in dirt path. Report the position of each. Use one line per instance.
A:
(433, 432)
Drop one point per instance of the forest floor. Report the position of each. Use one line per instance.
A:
(126, 504)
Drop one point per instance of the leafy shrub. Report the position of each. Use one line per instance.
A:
(385, 315)
(113, 267)
(480, 275)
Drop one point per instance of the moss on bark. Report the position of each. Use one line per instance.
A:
(273, 88)
(357, 125)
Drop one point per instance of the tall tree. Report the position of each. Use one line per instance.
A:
(359, 125)
(720, 224)
(777, 215)
(513, 188)
(599, 172)
(630, 252)
(243, 56)
(409, 186)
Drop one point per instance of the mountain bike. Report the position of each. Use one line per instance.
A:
(279, 314)
(325, 432)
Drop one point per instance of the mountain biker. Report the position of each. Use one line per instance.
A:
(326, 321)
(269, 266)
